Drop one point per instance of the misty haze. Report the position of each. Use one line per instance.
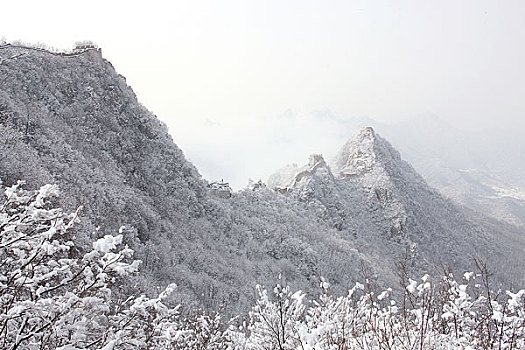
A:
(244, 175)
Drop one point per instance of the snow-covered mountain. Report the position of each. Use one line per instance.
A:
(389, 208)
(482, 170)
(71, 119)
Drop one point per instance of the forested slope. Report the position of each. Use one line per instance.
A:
(72, 120)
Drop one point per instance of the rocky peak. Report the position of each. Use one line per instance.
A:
(316, 160)
(367, 154)
(370, 163)
(291, 175)
(357, 156)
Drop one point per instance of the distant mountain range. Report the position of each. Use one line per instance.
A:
(72, 120)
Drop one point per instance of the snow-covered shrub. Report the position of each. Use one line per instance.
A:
(276, 321)
(446, 314)
(203, 331)
(52, 298)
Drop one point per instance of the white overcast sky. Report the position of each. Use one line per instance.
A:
(248, 86)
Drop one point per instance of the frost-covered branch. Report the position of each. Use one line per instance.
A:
(50, 298)
(443, 314)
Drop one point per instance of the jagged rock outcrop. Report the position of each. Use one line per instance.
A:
(369, 161)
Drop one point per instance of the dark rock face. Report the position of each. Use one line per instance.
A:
(72, 120)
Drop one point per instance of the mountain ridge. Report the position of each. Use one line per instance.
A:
(74, 121)
(368, 164)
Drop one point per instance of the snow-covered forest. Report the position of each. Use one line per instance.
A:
(53, 296)
(114, 240)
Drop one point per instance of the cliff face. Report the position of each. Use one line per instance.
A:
(72, 120)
